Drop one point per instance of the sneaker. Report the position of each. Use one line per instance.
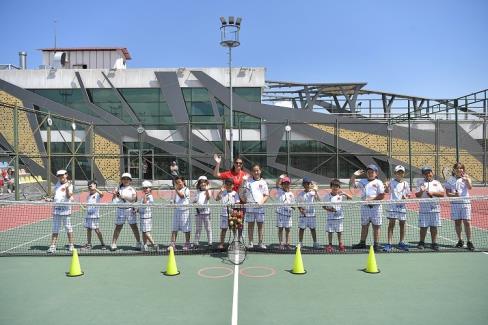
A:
(71, 247)
(262, 246)
(317, 246)
(155, 247)
(196, 244)
(360, 245)
(376, 247)
(470, 246)
(342, 248)
(460, 244)
(421, 245)
(113, 247)
(171, 245)
(387, 248)
(434, 247)
(139, 245)
(250, 245)
(281, 247)
(86, 246)
(329, 249)
(52, 249)
(221, 246)
(103, 248)
(186, 247)
(144, 248)
(288, 247)
(402, 246)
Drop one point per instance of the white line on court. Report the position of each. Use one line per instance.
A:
(235, 295)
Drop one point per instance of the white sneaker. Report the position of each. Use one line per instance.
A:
(71, 247)
(262, 246)
(316, 246)
(113, 247)
(144, 248)
(52, 249)
(139, 245)
(250, 245)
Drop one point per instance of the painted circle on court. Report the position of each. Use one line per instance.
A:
(270, 271)
(204, 272)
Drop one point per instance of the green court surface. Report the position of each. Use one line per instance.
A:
(446, 288)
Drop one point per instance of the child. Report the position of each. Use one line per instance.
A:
(372, 189)
(203, 214)
(335, 214)
(181, 217)
(429, 212)
(307, 214)
(399, 189)
(228, 197)
(458, 186)
(63, 193)
(145, 216)
(256, 193)
(92, 219)
(125, 194)
(283, 213)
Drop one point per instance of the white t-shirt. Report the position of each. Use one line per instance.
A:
(335, 200)
(228, 198)
(432, 186)
(398, 190)
(182, 201)
(285, 198)
(370, 189)
(457, 185)
(307, 197)
(255, 190)
(203, 200)
(93, 212)
(60, 197)
(145, 212)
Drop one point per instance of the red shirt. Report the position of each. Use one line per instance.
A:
(237, 177)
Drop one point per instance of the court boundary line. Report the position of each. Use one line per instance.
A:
(235, 296)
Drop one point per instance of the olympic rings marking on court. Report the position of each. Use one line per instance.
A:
(202, 272)
(271, 270)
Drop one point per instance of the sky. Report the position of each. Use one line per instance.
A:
(435, 49)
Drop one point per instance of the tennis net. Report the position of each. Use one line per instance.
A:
(26, 227)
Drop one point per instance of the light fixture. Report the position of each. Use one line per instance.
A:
(287, 128)
(49, 121)
(73, 126)
(140, 130)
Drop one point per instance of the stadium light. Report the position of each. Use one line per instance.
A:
(229, 37)
(288, 130)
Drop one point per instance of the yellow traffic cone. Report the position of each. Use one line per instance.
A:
(371, 266)
(171, 268)
(298, 263)
(74, 269)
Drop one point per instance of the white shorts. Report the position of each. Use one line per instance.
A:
(402, 216)
(372, 214)
(429, 219)
(182, 221)
(283, 221)
(124, 215)
(460, 211)
(306, 222)
(146, 224)
(61, 219)
(224, 222)
(334, 225)
(254, 216)
(92, 223)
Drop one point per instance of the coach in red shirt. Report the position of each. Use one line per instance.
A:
(236, 172)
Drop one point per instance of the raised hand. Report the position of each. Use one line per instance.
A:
(359, 172)
(217, 158)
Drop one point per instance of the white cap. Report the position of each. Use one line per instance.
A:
(399, 167)
(203, 177)
(61, 172)
(146, 184)
(128, 175)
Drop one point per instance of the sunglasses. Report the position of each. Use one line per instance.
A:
(238, 163)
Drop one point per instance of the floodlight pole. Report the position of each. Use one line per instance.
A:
(229, 37)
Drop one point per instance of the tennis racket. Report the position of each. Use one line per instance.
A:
(236, 251)
(446, 173)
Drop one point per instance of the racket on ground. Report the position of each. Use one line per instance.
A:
(237, 251)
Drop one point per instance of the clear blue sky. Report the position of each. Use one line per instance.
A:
(435, 48)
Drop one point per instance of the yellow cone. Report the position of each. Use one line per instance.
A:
(298, 263)
(371, 266)
(171, 268)
(75, 269)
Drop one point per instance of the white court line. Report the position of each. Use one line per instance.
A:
(235, 295)
(27, 243)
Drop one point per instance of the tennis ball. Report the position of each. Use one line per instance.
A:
(231, 223)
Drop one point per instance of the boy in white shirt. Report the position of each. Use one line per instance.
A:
(284, 212)
(307, 212)
(92, 218)
(372, 189)
(181, 217)
(399, 190)
(228, 197)
(429, 212)
(63, 193)
(145, 217)
(335, 214)
(202, 218)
